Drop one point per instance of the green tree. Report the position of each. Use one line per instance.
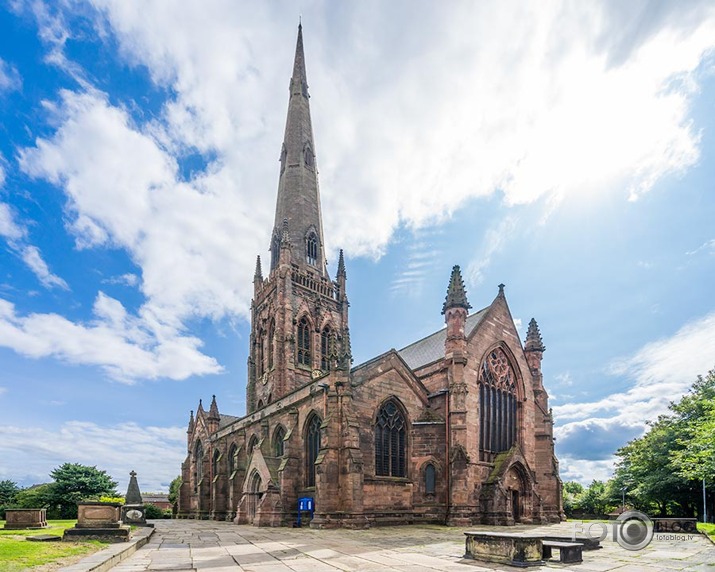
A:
(75, 483)
(572, 492)
(694, 459)
(8, 491)
(594, 500)
(38, 496)
(174, 490)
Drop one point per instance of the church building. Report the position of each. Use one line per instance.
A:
(452, 429)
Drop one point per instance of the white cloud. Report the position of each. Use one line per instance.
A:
(3, 390)
(662, 372)
(16, 236)
(127, 279)
(585, 471)
(434, 119)
(494, 240)
(10, 79)
(125, 347)
(155, 453)
(32, 257)
(707, 246)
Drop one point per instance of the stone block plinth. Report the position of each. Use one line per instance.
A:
(98, 515)
(98, 521)
(19, 518)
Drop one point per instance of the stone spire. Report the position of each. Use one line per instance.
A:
(191, 422)
(533, 341)
(298, 200)
(456, 295)
(200, 408)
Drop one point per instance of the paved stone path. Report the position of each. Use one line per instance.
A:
(224, 547)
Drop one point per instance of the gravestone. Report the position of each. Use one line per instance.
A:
(18, 518)
(133, 511)
(98, 521)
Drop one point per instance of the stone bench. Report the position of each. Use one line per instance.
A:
(589, 543)
(25, 518)
(515, 549)
(569, 552)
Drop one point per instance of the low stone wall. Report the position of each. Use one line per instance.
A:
(23, 518)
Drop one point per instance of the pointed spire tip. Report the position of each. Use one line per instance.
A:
(456, 294)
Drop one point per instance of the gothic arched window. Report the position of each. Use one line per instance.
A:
(304, 342)
(325, 349)
(214, 462)
(278, 437)
(198, 464)
(497, 405)
(259, 352)
(312, 447)
(311, 249)
(252, 444)
(232, 459)
(430, 479)
(271, 341)
(390, 441)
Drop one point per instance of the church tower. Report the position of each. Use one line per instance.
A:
(299, 318)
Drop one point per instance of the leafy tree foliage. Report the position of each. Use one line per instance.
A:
(174, 490)
(8, 491)
(75, 483)
(695, 457)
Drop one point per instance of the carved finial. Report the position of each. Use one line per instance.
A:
(533, 341)
(200, 408)
(258, 275)
(456, 295)
(213, 410)
(341, 265)
(191, 422)
(132, 473)
(501, 289)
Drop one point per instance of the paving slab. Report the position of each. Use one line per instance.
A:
(208, 546)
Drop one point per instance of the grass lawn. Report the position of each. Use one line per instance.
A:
(708, 528)
(16, 553)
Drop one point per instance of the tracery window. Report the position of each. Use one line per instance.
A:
(304, 342)
(311, 249)
(308, 156)
(430, 479)
(390, 441)
(325, 349)
(312, 447)
(497, 405)
(278, 441)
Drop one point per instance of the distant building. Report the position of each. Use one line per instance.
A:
(454, 428)
(159, 500)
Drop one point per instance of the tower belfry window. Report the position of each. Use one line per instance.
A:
(311, 249)
(304, 342)
(325, 349)
(308, 156)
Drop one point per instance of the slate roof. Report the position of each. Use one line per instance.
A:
(431, 348)
(226, 420)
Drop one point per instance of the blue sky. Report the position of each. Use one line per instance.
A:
(566, 150)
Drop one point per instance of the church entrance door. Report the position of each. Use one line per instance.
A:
(515, 505)
(254, 496)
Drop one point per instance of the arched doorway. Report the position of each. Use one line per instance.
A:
(254, 496)
(516, 486)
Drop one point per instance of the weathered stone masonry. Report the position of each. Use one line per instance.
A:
(454, 428)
